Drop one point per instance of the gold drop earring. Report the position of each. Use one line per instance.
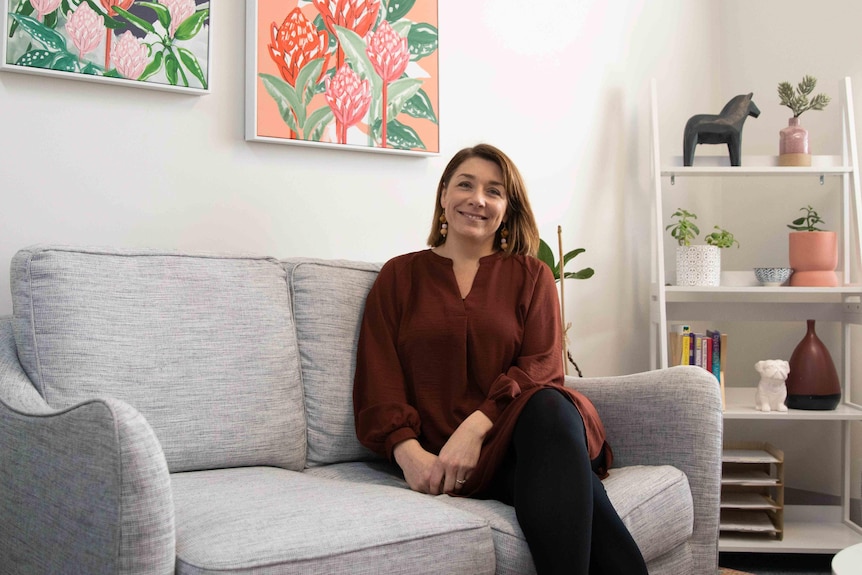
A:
(444, 227)
(504, 233)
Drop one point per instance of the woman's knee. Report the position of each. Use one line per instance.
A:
(549, 414)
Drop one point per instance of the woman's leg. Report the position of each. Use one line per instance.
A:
(561, 505)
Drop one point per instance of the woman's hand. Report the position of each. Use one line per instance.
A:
(416, 463)
(459, 455)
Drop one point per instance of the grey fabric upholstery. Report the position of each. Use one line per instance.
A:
(669, 417)
(328, 299)
(120, 365)
(203, 346)
(84, 489)
(273, 521)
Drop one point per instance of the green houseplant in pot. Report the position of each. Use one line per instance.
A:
(546, 255)
(813, 251)
(697, 265)
(793, 149)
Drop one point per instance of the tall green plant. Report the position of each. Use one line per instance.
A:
(546, 254)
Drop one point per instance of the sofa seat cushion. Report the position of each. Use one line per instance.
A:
(654, 502)
(264, 520)
(328, 300)
(203, 346)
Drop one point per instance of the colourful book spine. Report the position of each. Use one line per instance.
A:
(684, 349)
(715, 366)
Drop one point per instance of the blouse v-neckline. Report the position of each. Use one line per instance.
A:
(450, 263)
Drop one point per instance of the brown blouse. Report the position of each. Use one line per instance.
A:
(427, 358)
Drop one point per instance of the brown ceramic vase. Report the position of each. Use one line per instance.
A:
(813, 381)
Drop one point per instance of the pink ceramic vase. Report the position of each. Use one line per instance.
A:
(793, 145)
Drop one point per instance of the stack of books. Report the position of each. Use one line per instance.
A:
(707, 350)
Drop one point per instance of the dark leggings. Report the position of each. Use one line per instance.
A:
(561, 504)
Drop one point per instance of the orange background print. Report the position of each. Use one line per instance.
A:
(418, 131)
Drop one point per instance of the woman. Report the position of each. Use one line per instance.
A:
(459, 375)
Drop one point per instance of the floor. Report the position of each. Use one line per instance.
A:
(775, 564)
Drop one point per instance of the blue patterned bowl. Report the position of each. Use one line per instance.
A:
(772, 276)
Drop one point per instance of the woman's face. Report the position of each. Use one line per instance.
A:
(475, 202)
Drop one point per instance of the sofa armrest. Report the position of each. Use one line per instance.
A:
(668, 417)
(84, 489)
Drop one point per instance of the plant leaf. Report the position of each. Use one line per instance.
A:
(135, 21)
(401, 136)
(172, 67)
(574, 253)
(285, 98)
(161, 11)
(583, 274)
(399, 92)
(50, 39)
(546, 255)
(153, 67)
(192, 25)
(397, 9)
(421, 40)
(306, 76)
(192, 64)
(36, 59)
(419, 106)
(317, 122)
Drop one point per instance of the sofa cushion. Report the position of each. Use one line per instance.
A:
(202, 345)
(654, 502)
(329, 299)
(273, 521)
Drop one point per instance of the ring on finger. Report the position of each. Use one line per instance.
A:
(460, 481)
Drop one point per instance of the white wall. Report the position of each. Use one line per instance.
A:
(562, 87)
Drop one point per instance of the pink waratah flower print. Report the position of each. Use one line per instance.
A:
(388, 52)
(85, 28)
(349, 97)
(180, 10)
(130, 56)
(109, 6)
(389, 56)
(296, 43)
(43, 7)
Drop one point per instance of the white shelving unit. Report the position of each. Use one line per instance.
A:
(806, 529)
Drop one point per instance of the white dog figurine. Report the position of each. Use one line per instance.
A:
(771, 391)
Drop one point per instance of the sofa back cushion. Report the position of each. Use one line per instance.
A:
(202, 345)
(328, 299)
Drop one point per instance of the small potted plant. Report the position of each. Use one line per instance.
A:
(813, 251)
(793, 140)
(698, 265)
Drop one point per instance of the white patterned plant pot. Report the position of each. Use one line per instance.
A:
(698, 266)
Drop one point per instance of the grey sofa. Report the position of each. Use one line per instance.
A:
(190, 413)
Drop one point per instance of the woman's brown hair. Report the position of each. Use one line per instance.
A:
(523, 233)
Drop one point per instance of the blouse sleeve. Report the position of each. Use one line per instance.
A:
(540, 359)
(382, 415)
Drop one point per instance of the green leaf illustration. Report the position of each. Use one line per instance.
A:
(91, 69)
(172, 67)
(112, 73)
(24, 9)
(317, 122)
(65, 63)
(397, 9)
(192, 64)
(321, 26)
(161, 12)
(399, 92)
(399, 136)
(36, 59)
(137, 22)
(422, 40)
(419, 106)
(285, 97)
(153, 67)
(306, 78)
(50, 39)
(192, 25)
(354, 48)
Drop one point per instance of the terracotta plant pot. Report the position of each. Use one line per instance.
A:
(813, 257)
(698, 266)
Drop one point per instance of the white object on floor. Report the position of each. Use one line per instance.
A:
(848, 561)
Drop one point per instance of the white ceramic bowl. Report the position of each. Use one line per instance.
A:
(772, 276)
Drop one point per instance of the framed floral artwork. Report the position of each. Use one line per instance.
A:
(162, 44)
(346, 74)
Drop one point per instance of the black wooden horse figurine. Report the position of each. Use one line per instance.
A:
(725, 128)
